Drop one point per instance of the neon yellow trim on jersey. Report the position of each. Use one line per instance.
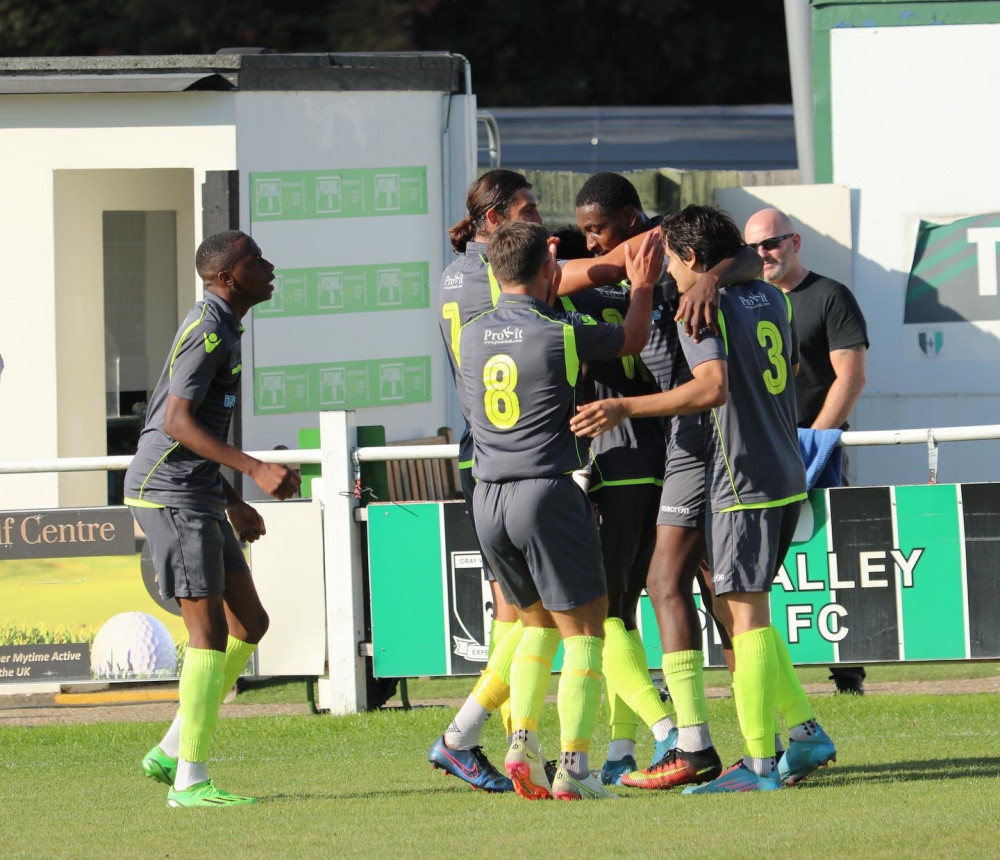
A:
(183, 337)
(567, 303)
(465, 464)
(788, 302)
(494, 283)
(779, 503)
(725, 457)
(628, 482)
(169, 451)
(139, 503)
(722, 330)
(572, 358)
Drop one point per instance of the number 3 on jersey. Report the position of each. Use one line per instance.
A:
(501, 403)
(769, 337)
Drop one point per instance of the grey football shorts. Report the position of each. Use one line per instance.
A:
(682, 500)
(628, 533)
(468, 484)
(540, 537)
(746, 547)
(192, 552)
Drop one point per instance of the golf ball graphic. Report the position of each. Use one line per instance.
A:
(133, 644)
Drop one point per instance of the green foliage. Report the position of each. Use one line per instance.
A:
(603, 52)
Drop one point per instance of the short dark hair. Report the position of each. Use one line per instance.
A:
(217, 253)
(517, 250)
(612, 192)
(705, 231)
(572, 243)
(495, 189)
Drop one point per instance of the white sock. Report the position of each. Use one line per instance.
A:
(190, 773)
(619, 749)
(661, 728)
(694, 738)
(171, 742)
(803, 731)
(760, 766)
(466, 727)
(577, 763)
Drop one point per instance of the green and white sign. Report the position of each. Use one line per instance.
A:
(312, 194)
(953, 277)
(875, 574)
(347, 290)
(342, 385)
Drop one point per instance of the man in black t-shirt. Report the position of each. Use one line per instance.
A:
(833, 340)
(833, 336)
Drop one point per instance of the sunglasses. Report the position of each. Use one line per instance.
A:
(769, 244)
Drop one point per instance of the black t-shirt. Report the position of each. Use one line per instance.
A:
(827, 317)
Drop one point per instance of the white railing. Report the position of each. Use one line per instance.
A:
(339, 457)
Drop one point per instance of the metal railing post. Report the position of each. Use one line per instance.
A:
(343, 690)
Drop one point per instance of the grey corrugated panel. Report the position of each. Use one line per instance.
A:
(750, 137)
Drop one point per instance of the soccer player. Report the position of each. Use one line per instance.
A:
(629, 475)
(181, 502)
(519, 367)
(754, 484)
(469, 288)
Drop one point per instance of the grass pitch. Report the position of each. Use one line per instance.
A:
(916, 775)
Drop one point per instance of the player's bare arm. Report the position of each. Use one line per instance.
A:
(245, 519)
(180, 424)
(643, 269)
(708, 388)
(598, 271)
(844, 391)
(698, 306)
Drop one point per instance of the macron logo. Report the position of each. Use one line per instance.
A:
(452, 282)
(503, 336)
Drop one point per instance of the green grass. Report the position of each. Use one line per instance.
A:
(421, 689)
(916, 775)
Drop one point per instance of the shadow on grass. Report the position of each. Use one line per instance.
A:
(905, 771)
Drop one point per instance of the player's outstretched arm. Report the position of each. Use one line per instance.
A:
(698, 306)
(708, 388)
(600, 271)
(180, 424)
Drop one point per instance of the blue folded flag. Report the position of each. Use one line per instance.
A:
(824, 460)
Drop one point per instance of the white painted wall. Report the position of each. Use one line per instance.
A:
(347, 130)
(40, 135)
(915, 117)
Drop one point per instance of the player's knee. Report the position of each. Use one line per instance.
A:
(257, 626)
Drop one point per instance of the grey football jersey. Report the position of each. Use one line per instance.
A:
(519, 367)
(752, 447)
(204, 366)
(468, 289)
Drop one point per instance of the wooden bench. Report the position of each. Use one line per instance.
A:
(424, 480)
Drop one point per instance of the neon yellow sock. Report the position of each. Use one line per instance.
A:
(530, 672)
(579, 692)
(492, 689)
(623, 720)
(625, 665)
(755, 689)
(685, 676)
(498, 630)
(791, 699)
(238, 654)
(200, 697)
